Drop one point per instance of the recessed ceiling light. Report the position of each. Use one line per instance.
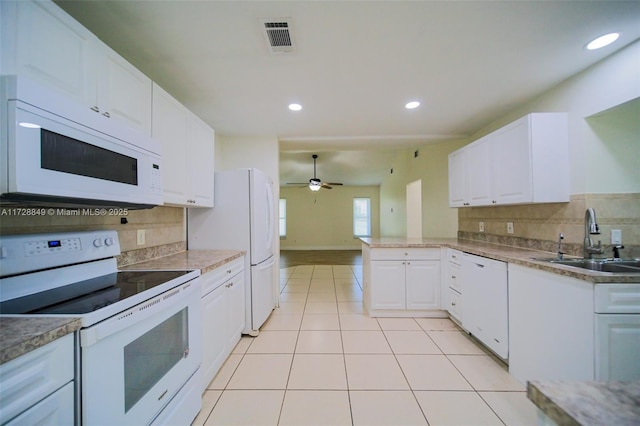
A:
(412, 105)
(295, 107)
(603, 41)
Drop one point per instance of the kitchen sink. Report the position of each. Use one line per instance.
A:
(620, 266)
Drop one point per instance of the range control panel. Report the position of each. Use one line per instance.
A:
(32, 252)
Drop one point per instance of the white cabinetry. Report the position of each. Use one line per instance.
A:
(617, 331)
(526, 161)
(452, 284)
(188, 149)
(485, 315)
(402, 281)
(223, 316)
(38, 387)
(551, 330)
(45, 44)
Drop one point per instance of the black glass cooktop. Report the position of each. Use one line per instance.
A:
(89, 295)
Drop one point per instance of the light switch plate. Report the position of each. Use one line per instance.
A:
(509, 227)
(481, 226)
(616, 236)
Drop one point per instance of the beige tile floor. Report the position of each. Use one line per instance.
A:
(319, 360)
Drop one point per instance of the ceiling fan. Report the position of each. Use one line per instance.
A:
(314, 183)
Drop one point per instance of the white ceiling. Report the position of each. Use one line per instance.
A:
(355, 66)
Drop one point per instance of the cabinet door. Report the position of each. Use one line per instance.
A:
(388, 284)
(170, 127)
(457, 179)
(236, 303)
(617, 347)
(56, 409)
(42, 42)
(479, 173)
(512, 171)
(214, 333)
(423, 284)
(124, 93)
(201, 162)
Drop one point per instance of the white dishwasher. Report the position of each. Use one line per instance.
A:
(485, 295)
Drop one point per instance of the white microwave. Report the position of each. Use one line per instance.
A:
(55, 152)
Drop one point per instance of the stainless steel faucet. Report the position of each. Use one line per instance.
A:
(591, 228)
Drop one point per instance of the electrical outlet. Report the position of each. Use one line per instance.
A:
(616, 236)
(509, 227)
(481, 226)
(141, 237)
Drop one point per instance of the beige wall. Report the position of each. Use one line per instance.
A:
(324, 219)
(431, 166)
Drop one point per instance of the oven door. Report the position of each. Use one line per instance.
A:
(50, 156)
(135, 363)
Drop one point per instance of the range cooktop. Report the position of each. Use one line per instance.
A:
(89, 295)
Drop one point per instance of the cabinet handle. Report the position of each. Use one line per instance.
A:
(95, 108)
(497, 341)
(453, 276)
(228, 271)
(453, 303)
(106, 114)
(494, 202)
(479, 265)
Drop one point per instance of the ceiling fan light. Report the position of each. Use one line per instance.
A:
(315, 186)
(602, 41)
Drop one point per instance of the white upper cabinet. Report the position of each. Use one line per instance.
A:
(526, 161)
(188, 147)
(124, 93)
(42, 42)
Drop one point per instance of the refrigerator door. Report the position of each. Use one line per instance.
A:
(262, 298)
(262, 221)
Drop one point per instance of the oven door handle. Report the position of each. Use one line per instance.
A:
(159, 304)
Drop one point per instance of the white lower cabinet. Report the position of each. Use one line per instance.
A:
(617, 332)
(38, 387)
(485, 315)
(401, 282)
(223, 316)
(451, 284)
(551, 330)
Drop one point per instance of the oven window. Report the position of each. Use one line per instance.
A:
(148, 358)
(64, 154)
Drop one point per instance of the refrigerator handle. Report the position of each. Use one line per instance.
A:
(270, 218)
(268, 264)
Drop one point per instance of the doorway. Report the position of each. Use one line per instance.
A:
(414, 209)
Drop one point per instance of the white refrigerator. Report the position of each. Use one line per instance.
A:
(242, 219)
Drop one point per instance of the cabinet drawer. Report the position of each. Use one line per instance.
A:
(453, 278)
(454, 256)
(30, 378)
(617, 298)
(454, 303)
(214, 279)
(405, 254)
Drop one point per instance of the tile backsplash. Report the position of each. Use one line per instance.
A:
(163, 227)
(537, 226)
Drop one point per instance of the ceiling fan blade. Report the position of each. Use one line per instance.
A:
(326, 185)
(298, 183)
(334, 183)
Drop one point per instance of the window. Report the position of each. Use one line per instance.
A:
(283, 217)
(362, 217)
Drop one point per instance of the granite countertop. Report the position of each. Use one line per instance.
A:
(19, 335)
(204, 260)
(520, 256)
(587, 403)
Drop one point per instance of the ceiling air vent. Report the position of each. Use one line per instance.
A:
(279, 35)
